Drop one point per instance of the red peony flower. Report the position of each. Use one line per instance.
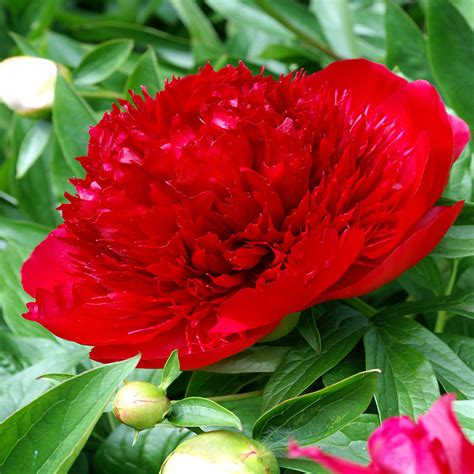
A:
(434, 445)
(210, 212)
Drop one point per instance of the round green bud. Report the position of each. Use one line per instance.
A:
(285, 327)
(141, 405)
(221, 452)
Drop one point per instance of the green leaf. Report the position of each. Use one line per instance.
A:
(202, 384)
(406, 45)
(72, 117)
(464, 410)
(405, 388)
(102, 61)
(308, 329)
(32, 147)
(29, 445)
(312, 417)
(117, 455)
(24, 45)
(450, 370)
(26, 234)
(247, 409)
(458, 242)
(146, 73)
(205, 40)
(24, 386)
(450, 41)
(57, 378)
(463, 346)
(424, 280)
(336, 22)
(351, 365)
(462, 304)
(349, 443)
(172, 48)
(171, 370)
(340, 331)
(461, 178)
(257, 359)
(201, 412)
(12, 297)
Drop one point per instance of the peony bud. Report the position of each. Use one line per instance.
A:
(27, 84)
(285, 327)
(141, 405)
(221, 452)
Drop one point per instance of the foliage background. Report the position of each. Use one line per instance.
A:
(418, 330)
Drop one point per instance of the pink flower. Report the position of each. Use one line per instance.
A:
(433, 445)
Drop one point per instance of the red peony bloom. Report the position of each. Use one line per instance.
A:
(230, 200)
(434, 445)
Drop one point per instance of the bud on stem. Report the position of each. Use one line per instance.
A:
(221, 452)
(141, 405)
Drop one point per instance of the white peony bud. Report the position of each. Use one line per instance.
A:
(27, 84)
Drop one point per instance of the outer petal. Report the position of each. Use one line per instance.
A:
(334, 464)
(156, 351)
(441, 424)
(460, 133)
(48, 265)
(419, 242)
(368, 82)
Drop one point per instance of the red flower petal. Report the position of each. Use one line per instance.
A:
(419, 242)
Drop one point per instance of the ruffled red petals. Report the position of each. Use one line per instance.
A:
(210, 212)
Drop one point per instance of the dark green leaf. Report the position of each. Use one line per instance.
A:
(351, 365)
(117, 455)
(406, 45)
(463, 346)
(201, 412)
(258, 359)
(72, 118)
(312, 417)
(102, 61)
(340, 331)
(450, 370)
(450, 41)
(24, 45)
(348, 443)
(146, 73)
(308, 329)
(29, 445)
(408, 384)
(204, 384)
(457, 243)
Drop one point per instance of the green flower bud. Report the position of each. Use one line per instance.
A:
(141, 405)
(221, 452)
(285, 327)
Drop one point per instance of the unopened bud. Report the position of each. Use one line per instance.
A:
(221, 452)
(27, 84)
(141, 405)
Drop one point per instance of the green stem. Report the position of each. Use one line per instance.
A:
(362, 306)
(443, 315)
(100, 94)
(236, 396)
(266, 5)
